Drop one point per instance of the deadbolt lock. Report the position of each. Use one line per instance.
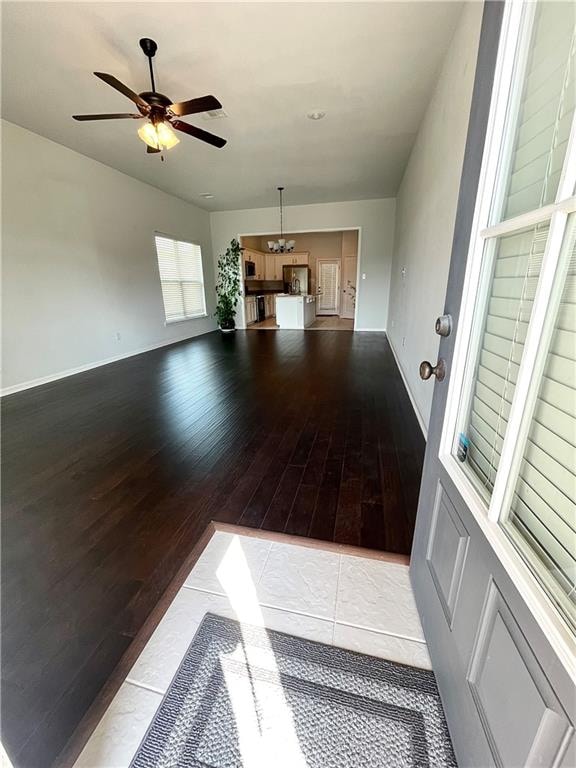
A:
(427, 370)
(443, 325)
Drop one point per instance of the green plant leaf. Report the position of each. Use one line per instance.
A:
(228, 288)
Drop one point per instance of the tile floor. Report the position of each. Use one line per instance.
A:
(353, 602)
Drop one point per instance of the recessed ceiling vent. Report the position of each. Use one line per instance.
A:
(214, 114)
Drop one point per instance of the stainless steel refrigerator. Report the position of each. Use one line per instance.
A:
(296, 272)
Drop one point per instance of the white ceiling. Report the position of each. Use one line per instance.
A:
(370, 66)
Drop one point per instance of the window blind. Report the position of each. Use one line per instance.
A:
(543, 507)
(329, 285)
(546, 110)
(517, 264)
(181, 277)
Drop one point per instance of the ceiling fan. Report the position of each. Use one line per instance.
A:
(161, 114)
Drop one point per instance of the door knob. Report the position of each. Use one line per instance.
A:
(427, 370)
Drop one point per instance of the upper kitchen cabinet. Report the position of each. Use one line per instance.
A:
(271, 270)
(296, 258)
(258, 259)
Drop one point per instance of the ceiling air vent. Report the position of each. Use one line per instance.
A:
(214, 114)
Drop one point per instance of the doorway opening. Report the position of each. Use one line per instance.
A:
(311, 287)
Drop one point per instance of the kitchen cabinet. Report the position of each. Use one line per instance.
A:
(251, 309)
(296, 258)
(270, 302)
(259, 263)
(279, 261)
(271, 270)
(295, 311)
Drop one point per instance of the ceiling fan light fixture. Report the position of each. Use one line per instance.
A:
(158, 136)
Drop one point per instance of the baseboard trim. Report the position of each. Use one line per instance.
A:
(89, 366)
(371, 330)
(423, 426)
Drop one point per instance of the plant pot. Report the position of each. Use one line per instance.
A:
(228, 330)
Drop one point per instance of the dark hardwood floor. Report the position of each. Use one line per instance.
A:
(110, 477)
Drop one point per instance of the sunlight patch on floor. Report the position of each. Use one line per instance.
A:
(266, 731)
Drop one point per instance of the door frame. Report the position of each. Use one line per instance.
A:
(338, 263)
(358, 229)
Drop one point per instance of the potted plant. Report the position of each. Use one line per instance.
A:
(228, 287)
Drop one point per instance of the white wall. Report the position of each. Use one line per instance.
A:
(426, 212)
(375, 219)
(79, 262)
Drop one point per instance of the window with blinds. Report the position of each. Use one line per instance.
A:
(543, 509)
(525, 476)
(517, 263)
(545, 113)
(182, 279)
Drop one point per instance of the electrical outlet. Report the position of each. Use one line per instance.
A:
(118, 336)
(363, 275)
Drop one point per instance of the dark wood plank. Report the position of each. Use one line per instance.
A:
(110, 477)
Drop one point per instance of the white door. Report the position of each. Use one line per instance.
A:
(328, 288)
(349, 286)
(493, 562)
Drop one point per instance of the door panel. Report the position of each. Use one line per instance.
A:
(446, 554)
(508, 693)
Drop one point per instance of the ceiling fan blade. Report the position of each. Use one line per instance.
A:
(193, 106)
(198, 133)
(115, 83)
(152, 150)
(119, 116)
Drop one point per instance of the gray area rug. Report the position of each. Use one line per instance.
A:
(246, 697)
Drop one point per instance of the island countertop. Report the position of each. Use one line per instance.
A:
(295, 311)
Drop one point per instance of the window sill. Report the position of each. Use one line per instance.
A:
(185, 319)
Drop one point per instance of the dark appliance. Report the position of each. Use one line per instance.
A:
(296, 279)
(261, 302)
(250, 268)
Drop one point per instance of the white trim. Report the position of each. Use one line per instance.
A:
(185, 319)
(529, 219)
(371, 330)
(419, 416)
(89, 366)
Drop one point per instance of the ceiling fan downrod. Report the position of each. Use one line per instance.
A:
(149, 48)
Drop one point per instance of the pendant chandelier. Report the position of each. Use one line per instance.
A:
(281, 245)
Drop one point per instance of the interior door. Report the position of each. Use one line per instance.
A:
(328, 287)
(349, 286)
(492, 562)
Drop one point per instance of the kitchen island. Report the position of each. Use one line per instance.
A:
(295, 311)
